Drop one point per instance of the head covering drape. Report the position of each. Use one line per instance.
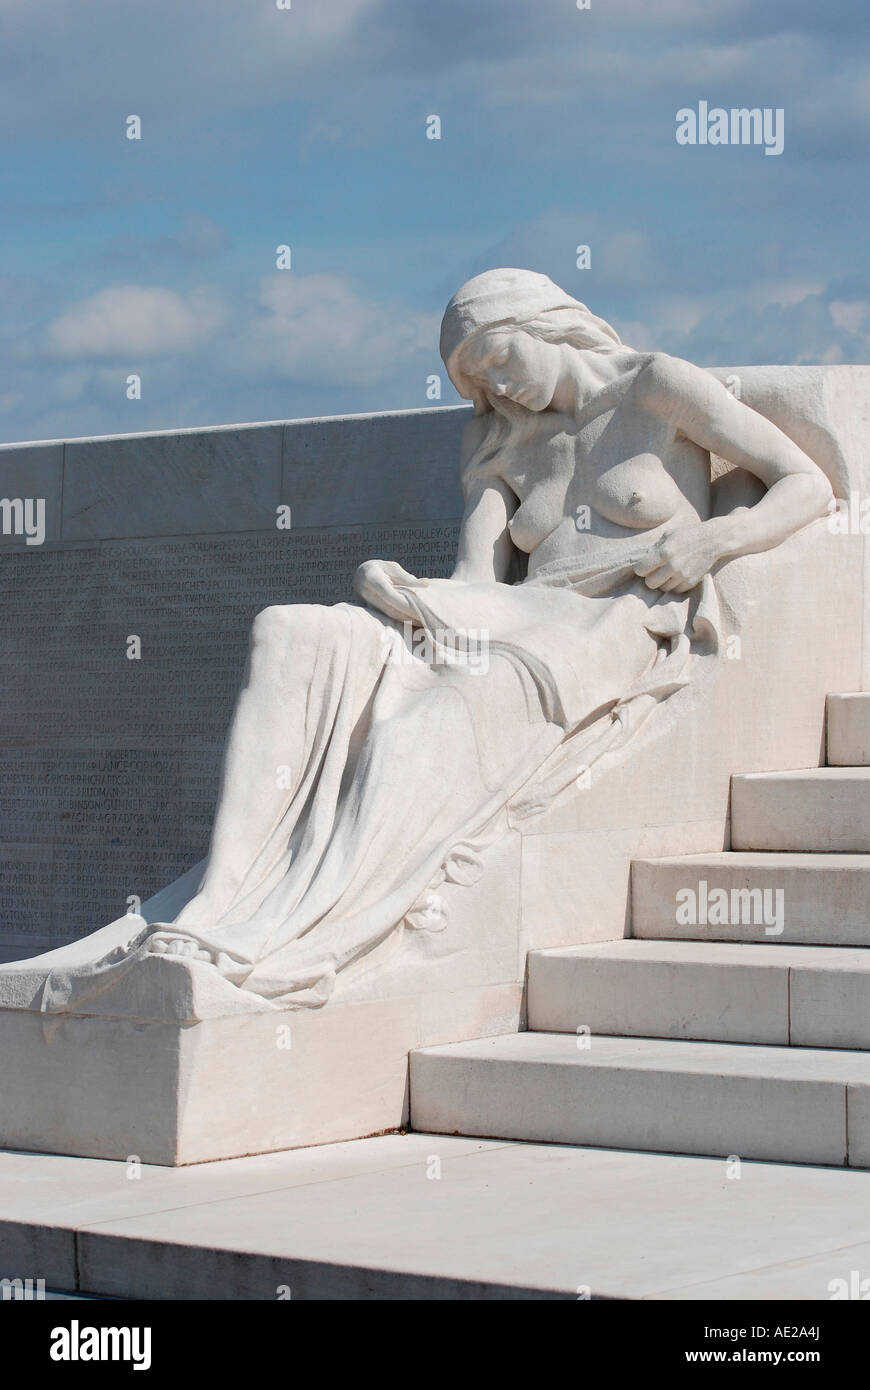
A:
(508, 297)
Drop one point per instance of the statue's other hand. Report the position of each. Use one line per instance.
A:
(378, 582)
(679, 560)
(396, 574)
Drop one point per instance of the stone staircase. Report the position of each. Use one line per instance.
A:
(735, 1021)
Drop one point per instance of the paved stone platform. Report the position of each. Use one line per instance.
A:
(422, 1216)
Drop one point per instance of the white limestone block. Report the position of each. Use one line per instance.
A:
(181, 482)
(825, 897)
(173, 1093)
(824, 809)
(778, 1103)
(829, 997)
(806, 996)
(674, 989)
(849, 730)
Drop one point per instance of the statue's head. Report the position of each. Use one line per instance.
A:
(499, 331)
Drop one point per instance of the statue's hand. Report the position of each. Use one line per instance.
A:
(395, 573)
(679, 559)
(376, 583)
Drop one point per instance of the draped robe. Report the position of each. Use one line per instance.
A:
(410, 744)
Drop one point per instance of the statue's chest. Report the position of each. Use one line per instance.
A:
(546, 461)
(613, 464)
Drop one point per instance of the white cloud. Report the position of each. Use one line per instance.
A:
(321, 328)
(318, 329)
(134, 321)
(291, 346)
(816, 328)
(853, 316)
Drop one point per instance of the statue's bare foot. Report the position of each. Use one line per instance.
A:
(178, 945)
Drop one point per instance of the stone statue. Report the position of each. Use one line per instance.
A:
(377, 749)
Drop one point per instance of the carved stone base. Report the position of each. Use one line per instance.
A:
(174, 1065)
(172, 1093)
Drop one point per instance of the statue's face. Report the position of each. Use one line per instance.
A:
(514, 364)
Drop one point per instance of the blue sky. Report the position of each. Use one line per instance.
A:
(307, 127)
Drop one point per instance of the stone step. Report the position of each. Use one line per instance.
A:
(422, 1216)
(816, 810)
(781, 1104)
(805, 996)
(848, 724)
(825, 898)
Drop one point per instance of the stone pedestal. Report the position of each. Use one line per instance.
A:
(174, 1065)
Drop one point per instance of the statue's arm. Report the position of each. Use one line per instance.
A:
(485, 546)
(698, 406)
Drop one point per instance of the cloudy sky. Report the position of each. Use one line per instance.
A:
(307, 127)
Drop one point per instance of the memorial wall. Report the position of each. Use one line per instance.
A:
(125, 628)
